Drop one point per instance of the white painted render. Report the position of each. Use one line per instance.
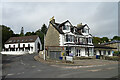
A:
(111, 53)
(18, 52)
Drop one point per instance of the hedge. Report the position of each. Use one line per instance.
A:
(114, 58)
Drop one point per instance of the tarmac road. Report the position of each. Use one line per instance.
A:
(26, 67)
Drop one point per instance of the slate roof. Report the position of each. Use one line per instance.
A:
(23, 39)
(56, 27)
(102, 46)
(114, 41)
(81, 26)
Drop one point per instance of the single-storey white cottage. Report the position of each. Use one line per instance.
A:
(22, 45)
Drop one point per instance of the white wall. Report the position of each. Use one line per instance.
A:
(62, 38)
(82, 51)
(14, 52)
(97, 53)
(36, 42)
(32, 44)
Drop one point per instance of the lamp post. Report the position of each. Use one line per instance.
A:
(44, 47)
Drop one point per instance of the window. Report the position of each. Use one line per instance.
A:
(9, 46)
(84, 30)
(10, 40)
(14, 46)
(90, 40)
(65, 27)
(69, 38)
(22, 40)
(94, 52)
(14, 40)
(28, 45)
(23, 45)
(18, 40)
(19, 45)
(108, 52)
(31, 39)
(104, 52)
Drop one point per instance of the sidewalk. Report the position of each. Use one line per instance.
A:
(86, 62)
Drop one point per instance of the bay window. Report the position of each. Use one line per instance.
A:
(69, 38)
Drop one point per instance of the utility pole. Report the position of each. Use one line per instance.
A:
(44, 56)
(44, 48)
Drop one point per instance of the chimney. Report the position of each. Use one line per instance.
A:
(52, 19)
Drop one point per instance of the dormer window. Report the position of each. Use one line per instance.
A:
(66, 27)
(85, 30)
(10, 41)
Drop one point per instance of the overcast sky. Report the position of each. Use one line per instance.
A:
(101, 17)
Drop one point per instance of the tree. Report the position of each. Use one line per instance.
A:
(6, 33)
(116, 38)
(44, 29)
(41, 36)
(97, 40)
(28, 34)
(104, 39)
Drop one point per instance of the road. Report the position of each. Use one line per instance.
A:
(26, 67)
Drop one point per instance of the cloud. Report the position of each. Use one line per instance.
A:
(101, 17)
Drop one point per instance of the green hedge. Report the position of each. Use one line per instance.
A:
(115, 58)
(82, 58)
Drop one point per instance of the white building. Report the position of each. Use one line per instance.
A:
(22, 45)
(68, 39)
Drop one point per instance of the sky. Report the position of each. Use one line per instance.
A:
(101, 17)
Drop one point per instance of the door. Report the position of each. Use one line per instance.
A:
(78, 52)
(55, 54)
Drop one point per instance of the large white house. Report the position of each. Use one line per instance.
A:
(22, 45)
(68, 39)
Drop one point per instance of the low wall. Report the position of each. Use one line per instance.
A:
(14, 52)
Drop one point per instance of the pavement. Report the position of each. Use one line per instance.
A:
(26, 67)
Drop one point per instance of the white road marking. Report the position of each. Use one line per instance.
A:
(33, 66)
(95, 70)
(76, 67)
(39, 70)
(10, 74)
(22, 62)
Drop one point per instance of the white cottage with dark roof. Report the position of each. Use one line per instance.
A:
(22, 45)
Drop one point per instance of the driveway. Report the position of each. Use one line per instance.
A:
(26, 67)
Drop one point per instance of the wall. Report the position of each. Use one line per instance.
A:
(14, 52)
(102, 50)
(36, 42)
(32, 44)
(52, 37)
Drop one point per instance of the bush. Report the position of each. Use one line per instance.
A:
(114, 58)
(82, 58)
(116, 53)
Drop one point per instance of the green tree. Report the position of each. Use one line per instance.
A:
(116, 38)
(44, 28)
(41, 36)
(6, 33)
(28, 34)
(97, 40)
(104, 39)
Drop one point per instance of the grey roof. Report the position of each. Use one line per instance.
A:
(23, 39)
(102, 46)
(56, 27)
(114, 41)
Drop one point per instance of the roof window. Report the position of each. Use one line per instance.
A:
(18, 40)
(10, 40)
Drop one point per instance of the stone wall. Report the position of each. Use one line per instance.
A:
(52, 37)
